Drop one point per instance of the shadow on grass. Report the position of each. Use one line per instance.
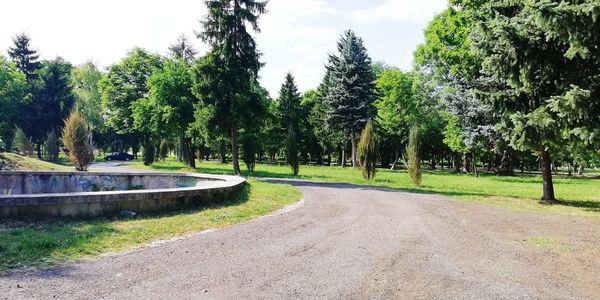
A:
(44, 243)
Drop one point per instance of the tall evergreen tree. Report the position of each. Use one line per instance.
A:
(24, 56)
(547, 55)
(289, 110)
(183, 50)
(225, 28)
(351, 91)
(52, 101)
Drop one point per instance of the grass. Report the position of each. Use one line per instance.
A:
(24, 163)
(47, 243)
(577, 196)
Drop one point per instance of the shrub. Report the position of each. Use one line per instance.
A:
(52, 147)
(250, 148)
(291, 147)
(413, 163)
(149, 152)
(23, 143)
(367, 152)
(163, 149)
(76, 137)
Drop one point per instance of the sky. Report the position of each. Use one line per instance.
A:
(296, 35)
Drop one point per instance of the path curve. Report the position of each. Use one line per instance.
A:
(349, 241)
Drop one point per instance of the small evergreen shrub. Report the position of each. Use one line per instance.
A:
(413, 154)
(367, 152)
(52, 147)
(76, 137)
(250, 148)
(291, 147)
(23, 143)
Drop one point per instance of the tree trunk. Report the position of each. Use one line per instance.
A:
(467, 162)
(234, 151)
(343, 158)
(191, 154)
(395, 160)
(581, 168)
(548, 186)
(354, 150)
(181, 152)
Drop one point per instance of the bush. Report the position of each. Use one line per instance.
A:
(149, 152)
(413, 165)
(250, 148)
(23, 143)
(52, 147)
(163, 149)
(76, 137)
(291, 147)
(367, 152)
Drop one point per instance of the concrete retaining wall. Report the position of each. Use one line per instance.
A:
(141, 192)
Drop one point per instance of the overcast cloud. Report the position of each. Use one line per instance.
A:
(296, 35)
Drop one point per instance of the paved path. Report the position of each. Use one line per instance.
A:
(345, 242)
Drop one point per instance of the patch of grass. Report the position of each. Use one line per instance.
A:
(45, 244)
(577, 196)
(23, 163)
(549, 245)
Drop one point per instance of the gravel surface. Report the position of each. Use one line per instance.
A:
(349, 241)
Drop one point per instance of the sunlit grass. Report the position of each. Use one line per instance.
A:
(43, 244)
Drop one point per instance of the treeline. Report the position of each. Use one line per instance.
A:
(497, 86)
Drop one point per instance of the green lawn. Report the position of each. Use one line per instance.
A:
(577, 196)
(24, 163)
(43, 244)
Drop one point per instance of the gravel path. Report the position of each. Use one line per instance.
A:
(349, 241)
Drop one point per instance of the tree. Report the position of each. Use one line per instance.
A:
(351, 90)
(183, 50)
(23, 143)
(124, 84)
(413, 163)
(24, 57)
(13, 95)
(367, 151)
(233, 61)
(52, 146)
(546, 54)
(291, 150)
(288, 109)
(88, 99)
(76, 137)
(52, 100)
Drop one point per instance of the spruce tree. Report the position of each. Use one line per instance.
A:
(289, 110)
(351, 91)
(183, 50)
(291, 150)
(24, 57)
(231, 66)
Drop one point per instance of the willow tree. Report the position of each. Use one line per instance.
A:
(547, 54)
(236, 62)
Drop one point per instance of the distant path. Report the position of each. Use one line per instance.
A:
(349, 241)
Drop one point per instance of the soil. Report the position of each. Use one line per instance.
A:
(349, 241)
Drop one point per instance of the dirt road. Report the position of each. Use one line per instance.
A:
(349, 241)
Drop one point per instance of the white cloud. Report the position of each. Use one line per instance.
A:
(402, 10)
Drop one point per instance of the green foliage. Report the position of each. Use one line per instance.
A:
(52, 147)
(454, 136)
(413, 153)
(13, 95)
(163, 149)
(183, 50)
(288, 109)
(367, 151)
(76, 137)
(250, 149)
(52, 100)
(226, 76)
(23, 143)
(149, 152)
(291, 150)
(88, 99)
(25, 58)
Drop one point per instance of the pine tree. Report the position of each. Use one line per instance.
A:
(367, 151)
(288, 106)
(24, 57)
(232, 65)
(351, 91)
(183, 50)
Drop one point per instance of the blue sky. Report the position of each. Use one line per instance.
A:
(296, 35)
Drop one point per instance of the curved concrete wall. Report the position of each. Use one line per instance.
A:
(39, 195)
